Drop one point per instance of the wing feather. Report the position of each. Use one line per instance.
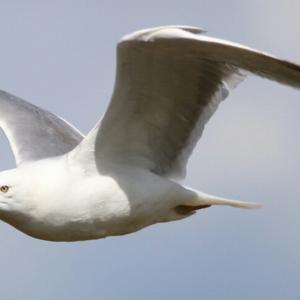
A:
(169, 82)
(34, 133)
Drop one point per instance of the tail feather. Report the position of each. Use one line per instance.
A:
(206, 199)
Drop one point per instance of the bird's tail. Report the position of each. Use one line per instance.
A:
(205, 199)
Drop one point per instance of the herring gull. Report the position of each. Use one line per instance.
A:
(123, 176)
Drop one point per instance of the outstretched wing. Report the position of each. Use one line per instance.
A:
(169, 83)
(34, 133)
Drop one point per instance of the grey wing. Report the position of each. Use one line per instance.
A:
(169, 83)
(34, 133)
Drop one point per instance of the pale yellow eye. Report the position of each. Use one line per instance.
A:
(4, 188)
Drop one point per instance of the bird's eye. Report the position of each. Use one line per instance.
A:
(4, 188)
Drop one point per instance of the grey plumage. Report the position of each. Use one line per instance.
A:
(34, 133)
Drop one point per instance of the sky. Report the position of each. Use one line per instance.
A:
(60, 55)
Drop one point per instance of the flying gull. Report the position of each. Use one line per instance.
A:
(123, 176)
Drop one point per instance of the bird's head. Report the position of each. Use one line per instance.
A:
(11, 198)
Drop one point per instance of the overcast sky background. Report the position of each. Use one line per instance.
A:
(60, 55)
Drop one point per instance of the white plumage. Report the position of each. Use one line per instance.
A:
(122, 176)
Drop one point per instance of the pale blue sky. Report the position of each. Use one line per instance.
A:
(60, 55)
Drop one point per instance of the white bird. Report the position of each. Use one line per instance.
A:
(122, 176)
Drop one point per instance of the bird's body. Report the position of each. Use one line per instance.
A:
(121, 177)
(65, 202)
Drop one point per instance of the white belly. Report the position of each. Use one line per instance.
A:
(99, 206)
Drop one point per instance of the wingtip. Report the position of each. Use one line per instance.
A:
(144, 33)
(192, 29)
